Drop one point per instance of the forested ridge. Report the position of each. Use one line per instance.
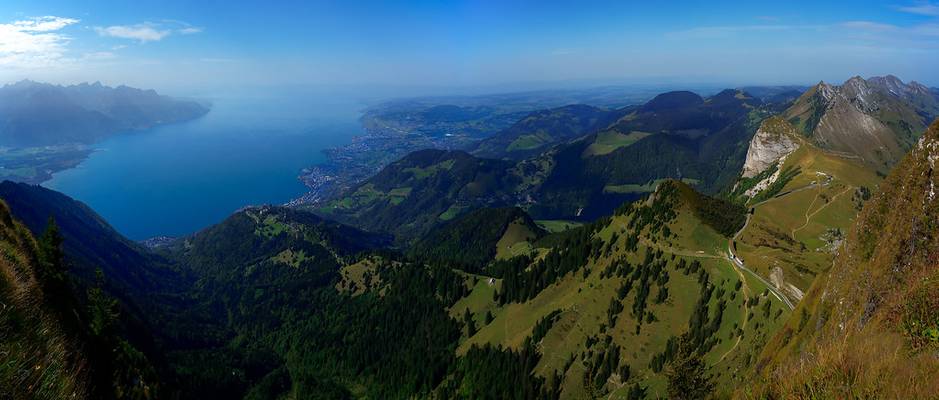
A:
(254, 309)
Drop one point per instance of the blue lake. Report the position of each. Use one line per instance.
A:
(177, 179)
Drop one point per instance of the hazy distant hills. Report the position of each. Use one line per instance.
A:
(585, 162)
(38, 114)
(423, 189)
(542, 129)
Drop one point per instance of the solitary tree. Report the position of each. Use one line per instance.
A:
(52, 261)
(102, 309)
(469, 322)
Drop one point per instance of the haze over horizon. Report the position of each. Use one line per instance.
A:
(180, 46)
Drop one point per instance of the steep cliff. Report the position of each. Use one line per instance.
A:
(774, 140)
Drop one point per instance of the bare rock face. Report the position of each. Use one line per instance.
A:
(772, 142)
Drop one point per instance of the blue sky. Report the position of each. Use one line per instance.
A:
(207, 43)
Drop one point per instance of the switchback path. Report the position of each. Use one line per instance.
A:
(738, 263)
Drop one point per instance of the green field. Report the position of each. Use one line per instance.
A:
(557, 225)
(515, 241)
(422, 173)
(607, 142)
(795, 234)
(642, 188)
(358, 277)
(451, 213)
(527, 142)
(37, 164)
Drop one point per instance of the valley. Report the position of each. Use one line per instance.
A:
(396, 127)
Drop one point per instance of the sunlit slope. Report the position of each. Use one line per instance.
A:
(870, 326)
(877, 119)
(799, 220)
(663, 250)
(37, 358)
(472, 240)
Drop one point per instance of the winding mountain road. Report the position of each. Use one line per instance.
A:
(738, 263)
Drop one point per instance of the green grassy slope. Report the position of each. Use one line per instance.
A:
(869, 327)
(57, 342)
(37, 356)
(661, 246)
(793, 235)
(471, 241)
(542, 129)
(422, 190)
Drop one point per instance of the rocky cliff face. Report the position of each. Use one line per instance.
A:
(774, 140)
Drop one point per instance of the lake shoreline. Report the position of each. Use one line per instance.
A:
(179, 178)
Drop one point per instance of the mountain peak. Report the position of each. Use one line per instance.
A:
(725, 217)
(826, 91)
(672, 101)
(855, 78)
(893, 85)
(24, 84)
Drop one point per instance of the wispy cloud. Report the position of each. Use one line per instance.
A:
(148, 31)
(145, 32)
(711, 32)
(868, 33)
(869, 26)
(889, 31)
(99, 55)
(918, 37)
(924, 8)
(34, 42)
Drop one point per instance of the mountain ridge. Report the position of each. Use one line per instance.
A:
(41, 114)
(848, 118)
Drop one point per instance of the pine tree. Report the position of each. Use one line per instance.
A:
(687, 375)
(469, 323)
(102, 309)
(52, 259)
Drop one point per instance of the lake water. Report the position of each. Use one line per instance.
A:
(177, 179)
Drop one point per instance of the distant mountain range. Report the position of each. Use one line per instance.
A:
(579, 162)
(543, 129)
(587, 161)
(38, 114)
(801, 272)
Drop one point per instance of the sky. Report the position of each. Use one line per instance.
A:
(178, 45)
